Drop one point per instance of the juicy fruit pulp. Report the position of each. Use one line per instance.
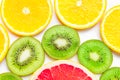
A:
(80, 14)
(4, 42)
(95, 55)
(9, 76)
(29, 17)
(111, 74)
(110, 29)
(63, 73)
(62, 70)
(25, 56)
(60, 42)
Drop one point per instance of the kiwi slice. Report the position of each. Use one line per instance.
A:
(25, 56)
(60, 42)
(111, 74)
(95, 56)
(9, 76)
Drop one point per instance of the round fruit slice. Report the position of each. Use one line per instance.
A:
(95, 55)
(60, 42)
(4, 42)
(80, 14)
(111, 74)
(25, 56)
(110, 29)
(26, 17)
(63, 70)
(9, 76)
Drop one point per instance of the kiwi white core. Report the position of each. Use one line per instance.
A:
(79, 3)
(24, 55)
(94, 56)
(26, 10)
(60, 42)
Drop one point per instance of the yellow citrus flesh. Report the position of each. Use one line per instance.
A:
(4, 42)
(26, 17)
(80, 14)
(110, 29)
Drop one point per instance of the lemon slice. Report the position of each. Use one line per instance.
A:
(4, 42)
(80, 14)
(110, 29)
(26, 17)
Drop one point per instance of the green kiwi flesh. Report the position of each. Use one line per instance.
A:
(60, 42)
(95, 56)
(111, 74)
(25, 56)
(9, 76)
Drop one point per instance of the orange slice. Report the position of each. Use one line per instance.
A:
(110, 29)
(80, 14)
(26, 17)
(4, 42)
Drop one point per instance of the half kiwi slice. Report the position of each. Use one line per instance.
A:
(25, 56)
(60, 42)
(95, 56)
(111, 74)
(9, 76)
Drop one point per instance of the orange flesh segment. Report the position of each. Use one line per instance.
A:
(83, 14)
(36, 16)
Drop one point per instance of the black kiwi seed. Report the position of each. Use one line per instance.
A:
(61, 42)
(111, 74)
(95, 56)
(25, 56)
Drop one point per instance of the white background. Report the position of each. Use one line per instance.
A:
(92, 33)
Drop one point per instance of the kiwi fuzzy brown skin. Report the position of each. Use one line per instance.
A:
(95, 55)
(61, 42)
(29, 64)
(111, 74)
(9, 76)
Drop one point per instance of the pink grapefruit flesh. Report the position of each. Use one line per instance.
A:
(62, 70)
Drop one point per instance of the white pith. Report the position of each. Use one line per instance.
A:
(26, 11)
(79, 3)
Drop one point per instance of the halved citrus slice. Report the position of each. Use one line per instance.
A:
(80, 14)
(62, 70)
(26, 17)
(110, 29)
(4, 42)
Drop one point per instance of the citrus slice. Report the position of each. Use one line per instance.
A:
(110, 29)
(4, 42)
(62, 70)
(80, 14)
(26, 17)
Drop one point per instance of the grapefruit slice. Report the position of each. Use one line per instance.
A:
(26, 17)
(62, 70)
